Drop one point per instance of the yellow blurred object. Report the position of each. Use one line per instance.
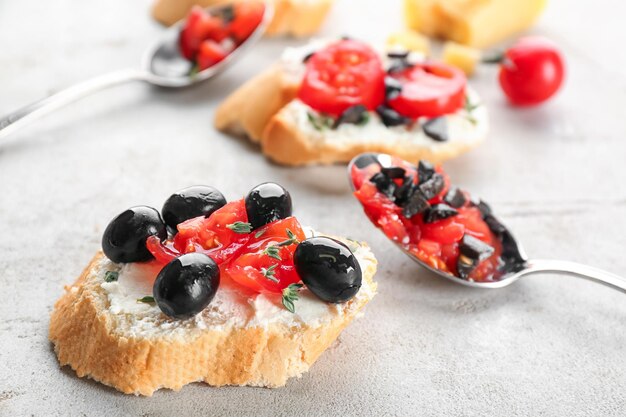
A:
(461, 56)
(478, 23)
(410, 40)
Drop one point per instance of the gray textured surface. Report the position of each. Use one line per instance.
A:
(546, 346)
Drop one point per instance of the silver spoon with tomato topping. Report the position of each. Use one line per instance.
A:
(442, 229)
(164, 63)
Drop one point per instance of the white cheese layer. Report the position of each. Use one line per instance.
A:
(232, 306)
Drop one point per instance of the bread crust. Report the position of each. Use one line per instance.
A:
(84, 337)
(250, 108)
(291, 17)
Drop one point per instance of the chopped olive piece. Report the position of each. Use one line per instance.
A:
(393, 172)
(307, 57)
(415, 204)
(433, 186)
(437, 129)
(391, 117)
(404, 191)
(465, 266)
(455, 198)
(354, 115)
(484, 208)
(425, 171)
(393, 88)
(474, 248)
(399, 65)
(398, 54)
(384, 184)
(439, 212)
(494, 225)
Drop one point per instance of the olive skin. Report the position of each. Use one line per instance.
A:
(266, 203)
(190, 202)
(124, 239)
(186, 285)
(328, 268)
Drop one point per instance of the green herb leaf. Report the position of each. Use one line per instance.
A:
(194, 70)
(148, 299)
(365, 118)
(290, 295)
(469, 108)
(260, 233)
(111, 276)
(270, 273)
(272, 252)
(292, 239)
(320, 122)
(240, 227)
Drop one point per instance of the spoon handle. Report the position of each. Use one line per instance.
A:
(578, 270)
(23, 116)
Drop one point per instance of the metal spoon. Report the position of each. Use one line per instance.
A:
(516, 263)
(162, 65)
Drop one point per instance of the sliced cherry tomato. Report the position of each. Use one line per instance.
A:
(248, 16)
(256, 270)
(210, 53)
(431, 89)
(198, 27)
(344, 74)
(532, 71)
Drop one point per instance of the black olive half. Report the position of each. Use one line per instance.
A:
(266, 203)
(186, 285)
(124, 239)
(199, 200)
(328, 268)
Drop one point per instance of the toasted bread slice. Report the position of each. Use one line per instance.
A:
(267, 110)
(291, 17)
(102, 331)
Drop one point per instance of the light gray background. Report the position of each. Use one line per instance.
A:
(545, 346)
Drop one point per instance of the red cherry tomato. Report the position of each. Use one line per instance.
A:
(278, 229)
(210, 53)
(259, 272)
(197, 28)
(431, 89)
(532, 71)
(342, 75)
(248, 15)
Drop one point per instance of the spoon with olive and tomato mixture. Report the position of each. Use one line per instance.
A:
(193, 50)
(445, 230)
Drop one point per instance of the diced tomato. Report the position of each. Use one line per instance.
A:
(256, 270)
(210, 53)
(443, 231)
(197, 28)
(248, 16)
(472, 219)
(393, 227)
(278, 229)
(375, 203)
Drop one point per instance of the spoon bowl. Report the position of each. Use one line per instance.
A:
(515, 262)
(162, 65)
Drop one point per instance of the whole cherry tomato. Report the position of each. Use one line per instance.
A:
(531, 71)
(342, 75)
